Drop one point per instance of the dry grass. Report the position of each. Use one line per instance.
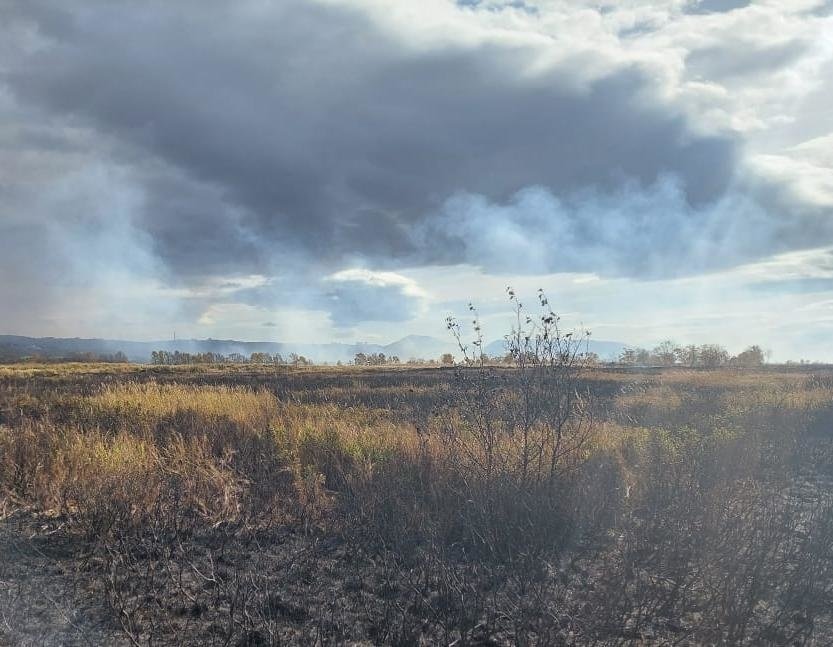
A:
(149, 404)
(679, 471)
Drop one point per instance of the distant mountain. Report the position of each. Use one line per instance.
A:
(420, 347)
(413, 346)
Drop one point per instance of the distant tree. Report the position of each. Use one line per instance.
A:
(635, 357)
(628, 357)
(751, 357)
(360, 359)
(162, 357)
(590, 358)
(687, 355)
(666, 353)
(299, 360)
(447, 359)
(644, 357)
(712, 355)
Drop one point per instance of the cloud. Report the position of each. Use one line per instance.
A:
(307, 127)
(714, 6)
(732, 62)
(796, 286)
(286, 141)
(359, 295)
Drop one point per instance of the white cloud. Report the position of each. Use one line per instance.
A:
(809, 181)
(378, 280)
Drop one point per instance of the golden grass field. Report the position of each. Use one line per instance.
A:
(244, 505)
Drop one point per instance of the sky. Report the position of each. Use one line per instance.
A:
(334, 170)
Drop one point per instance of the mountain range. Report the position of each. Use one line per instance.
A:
(14, 347)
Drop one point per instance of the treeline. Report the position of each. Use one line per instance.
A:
(176, 357)
(375, 359)
(665, 354)
(705, 356)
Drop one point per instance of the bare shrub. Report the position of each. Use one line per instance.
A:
(513, 435)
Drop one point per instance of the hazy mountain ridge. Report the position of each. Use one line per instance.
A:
(411, 346)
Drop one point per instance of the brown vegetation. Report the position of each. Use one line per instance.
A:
(531, 505)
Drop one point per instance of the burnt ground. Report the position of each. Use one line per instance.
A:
(48, 596)
(225, 587)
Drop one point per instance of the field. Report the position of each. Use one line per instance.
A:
(245, 505)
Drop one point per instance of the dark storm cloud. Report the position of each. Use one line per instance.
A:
(195, 230)
(305, 131)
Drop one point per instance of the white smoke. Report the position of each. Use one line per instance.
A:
(644, 231)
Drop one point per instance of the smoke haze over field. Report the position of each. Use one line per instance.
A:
(323, 170)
